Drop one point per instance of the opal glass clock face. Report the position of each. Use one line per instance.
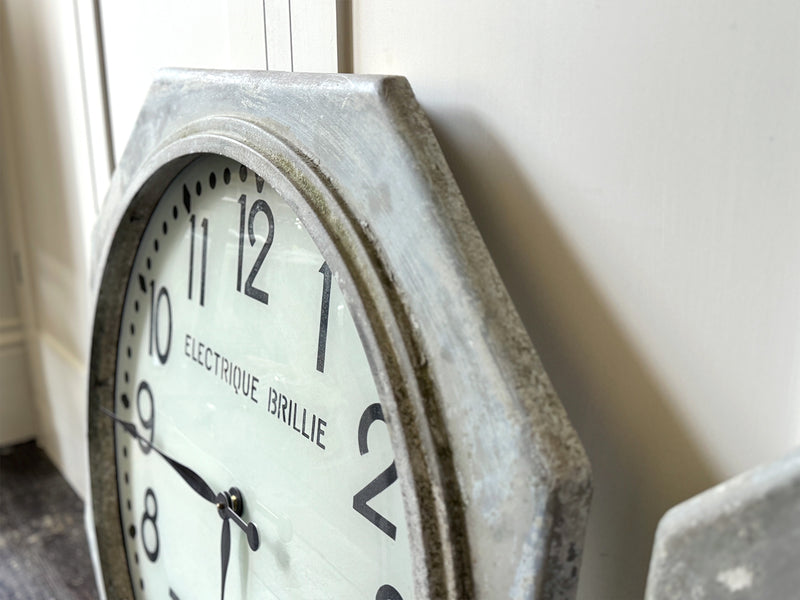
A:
(238, 358)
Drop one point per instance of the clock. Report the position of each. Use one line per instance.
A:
(306, 378)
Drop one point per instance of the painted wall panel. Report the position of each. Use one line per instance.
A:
(63, 424)
(8, 300)
(17, 415)
(101, 159)
(633, 170)
(50, 206)
(314, 40)
(141, 37)
(278, 35)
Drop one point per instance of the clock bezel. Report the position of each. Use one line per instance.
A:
(491, 516)
(326, 221)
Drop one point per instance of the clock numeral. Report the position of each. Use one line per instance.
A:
(259, 206)
(387, 592)
(149, 516)
(155, 329)
(323, 316)
(147, 417)
(373, 413)
(204, 226)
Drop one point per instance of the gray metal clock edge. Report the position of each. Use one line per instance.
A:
(508, 483)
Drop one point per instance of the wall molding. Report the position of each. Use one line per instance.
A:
(12, 334)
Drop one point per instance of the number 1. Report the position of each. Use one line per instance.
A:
(204, 225)
(323, 316)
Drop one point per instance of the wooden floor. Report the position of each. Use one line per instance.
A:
(43, 549)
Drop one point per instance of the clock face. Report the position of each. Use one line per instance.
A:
(238, 358)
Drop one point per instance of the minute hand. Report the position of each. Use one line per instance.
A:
(193, 479)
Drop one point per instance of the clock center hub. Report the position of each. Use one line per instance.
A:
(231, 499)
(230, 505)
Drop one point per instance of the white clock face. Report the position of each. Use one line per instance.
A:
(238, 358)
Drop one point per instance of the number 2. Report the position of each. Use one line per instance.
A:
(373, 413)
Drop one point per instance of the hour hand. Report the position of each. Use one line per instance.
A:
(193, 479)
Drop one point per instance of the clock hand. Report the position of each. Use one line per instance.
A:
(229, 506)
(226, 505)
(225, 550)
(193, 479)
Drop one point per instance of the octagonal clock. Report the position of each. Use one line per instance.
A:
(307, 380)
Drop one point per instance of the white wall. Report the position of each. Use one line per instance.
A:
(632, 167)
(17, 412)
(215, 34)
(50, 206)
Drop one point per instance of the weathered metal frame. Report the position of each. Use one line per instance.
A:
(495, 482)
(739, 539)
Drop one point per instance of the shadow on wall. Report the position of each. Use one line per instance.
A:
(643, 459)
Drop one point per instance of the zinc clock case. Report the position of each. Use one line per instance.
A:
(307, 379)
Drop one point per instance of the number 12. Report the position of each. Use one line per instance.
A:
(258, 206)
